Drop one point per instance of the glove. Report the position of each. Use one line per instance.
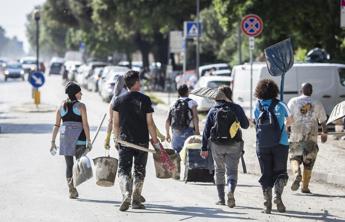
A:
(88, 146)
(53, 148)
(107, 141)
(156, 146)
(117, 145)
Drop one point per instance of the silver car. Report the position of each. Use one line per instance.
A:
(109, 80)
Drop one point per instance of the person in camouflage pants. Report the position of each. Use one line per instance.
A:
(307, 113)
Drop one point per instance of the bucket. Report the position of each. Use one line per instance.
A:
(106, 168)
(162, 171)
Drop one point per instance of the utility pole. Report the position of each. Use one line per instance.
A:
(198, 38)
(37, 19)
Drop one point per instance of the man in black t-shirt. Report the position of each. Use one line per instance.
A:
(133, 123)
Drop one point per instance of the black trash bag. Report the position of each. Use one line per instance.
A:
(279, 57)
(317, 55)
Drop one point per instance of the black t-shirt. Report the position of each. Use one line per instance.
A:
(132, 108)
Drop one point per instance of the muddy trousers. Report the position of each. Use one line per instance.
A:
(126, 158)
(226, 159)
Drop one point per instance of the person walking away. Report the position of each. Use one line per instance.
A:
(271, 117)
(222, 135)
(183, 120)
(74, 131)
(307, 113)
(133, 122)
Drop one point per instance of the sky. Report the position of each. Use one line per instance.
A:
(13, 17)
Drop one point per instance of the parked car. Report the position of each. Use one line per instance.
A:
(14, 70)
(3, 63)
(88, 72)
(72, 68)
(136, 65)
(328, 82)
(203, 70)
(29, 64)
(57, 67)
(109, 81)
(92, 82)
(204, 104)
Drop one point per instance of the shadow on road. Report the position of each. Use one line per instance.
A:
(193, 212)
(321, 195)
(99, 201)
(325, 216)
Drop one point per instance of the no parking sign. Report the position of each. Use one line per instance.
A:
(252, 25)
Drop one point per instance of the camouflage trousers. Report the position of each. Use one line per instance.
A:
(304, 152)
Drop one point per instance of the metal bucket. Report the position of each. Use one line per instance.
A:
(106, 168)
(161, 171)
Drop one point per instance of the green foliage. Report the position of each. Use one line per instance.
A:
(300, 55)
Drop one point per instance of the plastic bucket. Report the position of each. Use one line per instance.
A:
(105, 168)
(163, 172)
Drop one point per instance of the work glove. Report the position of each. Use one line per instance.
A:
(107, 141)
(117, 145)
(53, 148)
(88, 146)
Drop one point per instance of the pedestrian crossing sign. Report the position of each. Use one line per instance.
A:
(192, 29)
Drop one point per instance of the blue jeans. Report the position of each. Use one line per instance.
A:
(179, 136)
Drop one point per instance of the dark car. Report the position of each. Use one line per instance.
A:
(14, 70)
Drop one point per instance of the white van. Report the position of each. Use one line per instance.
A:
(328, 82)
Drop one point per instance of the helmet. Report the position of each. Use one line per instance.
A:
(317, 55)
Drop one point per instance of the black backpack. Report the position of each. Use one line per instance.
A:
(268, 131)
(181, 114)
(224, 118)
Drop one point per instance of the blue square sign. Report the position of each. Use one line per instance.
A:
(192, 29)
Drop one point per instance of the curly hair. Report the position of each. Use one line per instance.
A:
(266, 89)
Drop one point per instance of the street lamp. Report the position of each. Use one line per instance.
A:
(36, 15)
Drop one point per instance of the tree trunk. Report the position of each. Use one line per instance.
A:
(144, 48)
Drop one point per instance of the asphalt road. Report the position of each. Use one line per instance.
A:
(33, 186)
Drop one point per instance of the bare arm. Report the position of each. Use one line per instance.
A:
(110, 121)
(196, 120)
(152, 127)
(289, 121)
(56, 126)
(116, 124)
(85, 121)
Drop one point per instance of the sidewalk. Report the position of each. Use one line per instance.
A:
(329, 164)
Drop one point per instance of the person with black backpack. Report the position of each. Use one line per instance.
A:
(182, 119)
(272, 117)
(223, 137)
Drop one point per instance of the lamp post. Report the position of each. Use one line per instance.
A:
(36, 15)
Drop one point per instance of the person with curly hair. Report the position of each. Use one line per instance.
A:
(272, 117)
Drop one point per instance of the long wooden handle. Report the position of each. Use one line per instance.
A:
(99, 127)
(131, 145)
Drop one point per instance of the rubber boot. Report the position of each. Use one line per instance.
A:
(126, 190)
(73, 193)
(305, 181)
(278, 191)
(221, 194)
(142, 199)
(231, 200)
(296, 170)
(138, 187)
(268, 200)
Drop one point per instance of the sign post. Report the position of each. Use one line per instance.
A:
(342, 13)
(251, 26)
(191, 29)
(36, 79)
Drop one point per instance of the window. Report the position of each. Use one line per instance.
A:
(342, 76)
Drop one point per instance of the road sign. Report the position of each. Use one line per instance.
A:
(192, 29)
(252, 25)
(175, 42)
(251, 43)
(36, 79)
